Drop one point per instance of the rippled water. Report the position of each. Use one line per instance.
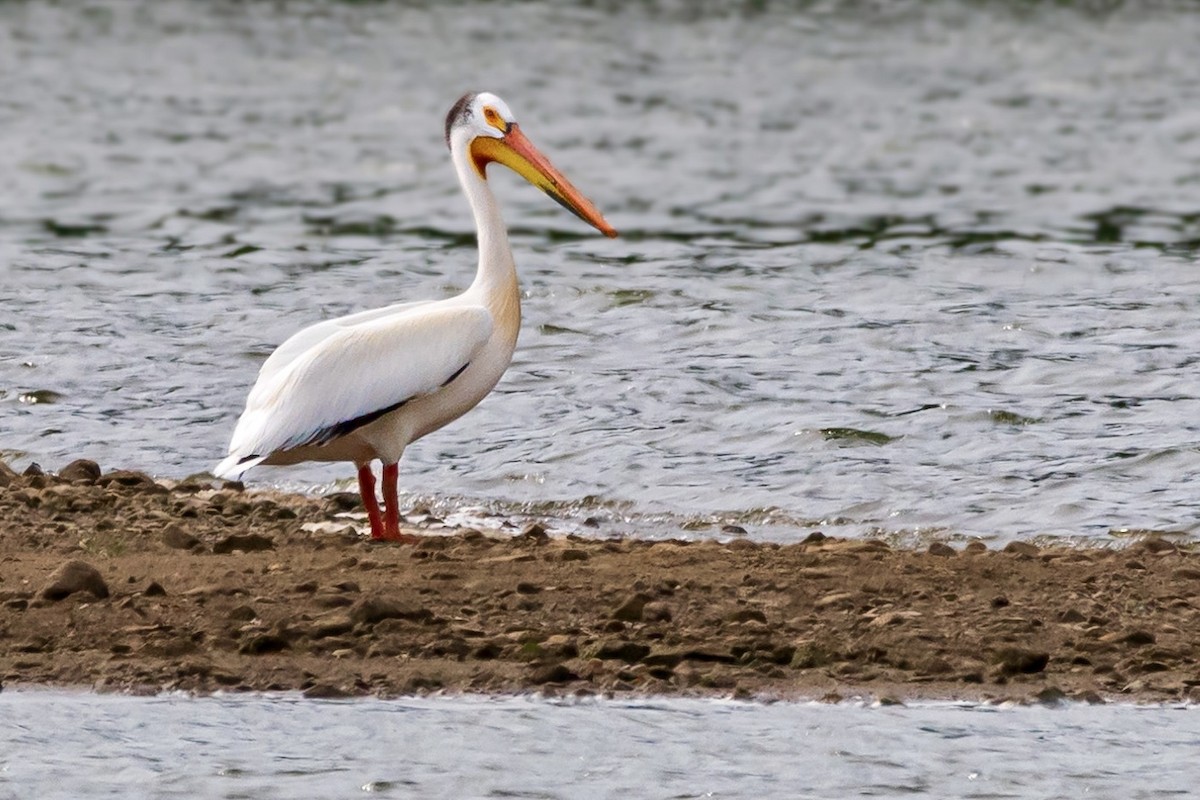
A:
(918, 267)
(55, 745)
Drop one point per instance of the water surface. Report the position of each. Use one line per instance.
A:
(55, 745)
(928, 269)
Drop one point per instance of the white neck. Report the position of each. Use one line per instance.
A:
(496, 276)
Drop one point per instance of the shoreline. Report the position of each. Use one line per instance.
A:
(116, 582)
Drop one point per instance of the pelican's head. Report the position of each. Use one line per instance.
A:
(482, 126)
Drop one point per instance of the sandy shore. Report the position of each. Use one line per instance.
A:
(116, 581)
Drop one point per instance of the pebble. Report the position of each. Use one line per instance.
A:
(1022, 549)
(247, 543)
(175, 537)
(1071, 615)
(663, 658)
(1157, 545)
(709, 656)
(551, 673)
(335, 624)
(243, 614)
(559, 646)
(488, 651)
(1014, 660)
(632, 609)
(370, 610)
(629, 652)
(535, 532)
(130, 479)
(747, 615)
(81, 469)
(326, 691)
(1139, 638)
(263, 643)
(657, 612)
(942, 549)
(845, 599)
(74, 576)
(893, 618)
(1051, 696)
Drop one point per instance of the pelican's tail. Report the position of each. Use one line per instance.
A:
(233, 467)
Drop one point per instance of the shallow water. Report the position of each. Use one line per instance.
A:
(58, 745)
(928, 269)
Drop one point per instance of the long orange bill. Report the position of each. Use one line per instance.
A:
(517, 153)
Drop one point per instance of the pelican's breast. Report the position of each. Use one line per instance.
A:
(465, 391)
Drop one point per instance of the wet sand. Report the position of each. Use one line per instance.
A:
(118, 582)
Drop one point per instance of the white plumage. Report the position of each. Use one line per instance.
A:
(303, 401)
(363, 386)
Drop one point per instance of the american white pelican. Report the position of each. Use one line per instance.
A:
(363, 386)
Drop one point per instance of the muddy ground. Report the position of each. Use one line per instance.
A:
(118, 582)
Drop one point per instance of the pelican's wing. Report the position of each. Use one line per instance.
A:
(354, 375)
(302, 341)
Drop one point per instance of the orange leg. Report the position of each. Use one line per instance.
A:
(391, 506)
(366, 487)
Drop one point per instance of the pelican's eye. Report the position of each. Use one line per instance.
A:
(493, 118)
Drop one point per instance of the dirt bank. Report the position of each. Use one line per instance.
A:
(205, 586)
